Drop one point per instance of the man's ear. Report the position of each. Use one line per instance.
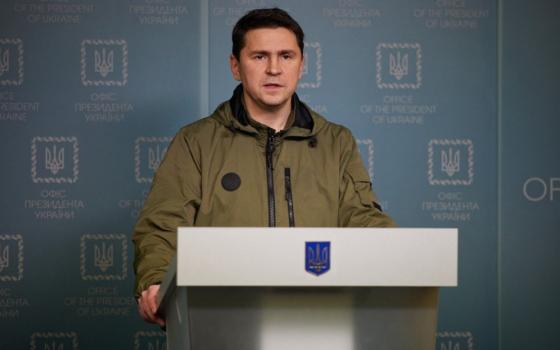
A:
(234, 66)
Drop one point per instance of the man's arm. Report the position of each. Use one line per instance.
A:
(358, 205)
(172, 202)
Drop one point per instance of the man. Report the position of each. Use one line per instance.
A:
(263, 158)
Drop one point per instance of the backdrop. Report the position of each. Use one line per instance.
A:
(451, 102)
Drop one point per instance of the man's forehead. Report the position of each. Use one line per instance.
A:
(275, 39)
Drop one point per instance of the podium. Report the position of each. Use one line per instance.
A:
(307, 288)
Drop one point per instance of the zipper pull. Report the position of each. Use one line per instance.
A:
(270, 147)
(271, 139)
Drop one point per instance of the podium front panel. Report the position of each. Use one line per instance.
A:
(329, 318)
(212, 256)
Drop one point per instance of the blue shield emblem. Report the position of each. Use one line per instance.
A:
(317, 257)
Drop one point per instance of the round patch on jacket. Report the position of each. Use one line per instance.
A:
(231, 181)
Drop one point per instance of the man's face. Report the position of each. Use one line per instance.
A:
(269, 66)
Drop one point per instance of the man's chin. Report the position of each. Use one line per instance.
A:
(274, 101)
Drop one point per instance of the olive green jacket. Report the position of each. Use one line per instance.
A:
(310, 175)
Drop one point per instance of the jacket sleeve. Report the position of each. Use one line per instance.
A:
(172, 202)
(358, 205)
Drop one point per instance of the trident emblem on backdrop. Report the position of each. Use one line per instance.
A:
(155, 157)
(398, 67)
(104, 62)
(450, 162)
(54, 161)
(103, 257)
(4, 257)
(157, 345)
(54, 346)
(450, 346)
(4, 61)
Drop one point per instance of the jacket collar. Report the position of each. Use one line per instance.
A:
(302, 116)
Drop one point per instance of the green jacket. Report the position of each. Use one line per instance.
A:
(227, 170)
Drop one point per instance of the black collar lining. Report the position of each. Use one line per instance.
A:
(302, 117)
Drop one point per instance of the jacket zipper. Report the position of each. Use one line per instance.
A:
(270, 178)
(289, 198)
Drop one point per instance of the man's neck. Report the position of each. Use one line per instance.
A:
(274, 118)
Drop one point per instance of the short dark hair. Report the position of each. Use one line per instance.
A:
(263, 18)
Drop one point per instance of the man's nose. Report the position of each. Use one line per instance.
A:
(274, 67)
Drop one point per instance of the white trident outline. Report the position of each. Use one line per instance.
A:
(398, 67)
(104, 62)
(54, 161)
(103, 257)
(450, 162)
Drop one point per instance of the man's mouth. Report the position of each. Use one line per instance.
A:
(272, 85)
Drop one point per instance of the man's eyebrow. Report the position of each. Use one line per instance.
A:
(282, 52)
(262, 52)
(266, 52)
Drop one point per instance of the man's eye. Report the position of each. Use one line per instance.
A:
(287, 56)
(259, 57)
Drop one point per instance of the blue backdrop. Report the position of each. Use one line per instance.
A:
(452, 103)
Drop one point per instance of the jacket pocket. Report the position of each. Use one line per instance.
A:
(363, 188)
(367, 198)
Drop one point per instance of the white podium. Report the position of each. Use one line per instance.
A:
(307, 288)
